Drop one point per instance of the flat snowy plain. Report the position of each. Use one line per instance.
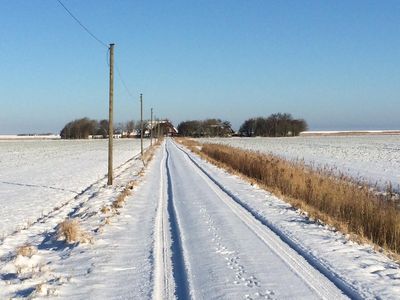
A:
(38, 175)
(371, 158)
(190, 230)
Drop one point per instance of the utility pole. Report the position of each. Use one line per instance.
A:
(155, 134)
(111, 118)
(159, 127)
(151, 128)
(141, 124)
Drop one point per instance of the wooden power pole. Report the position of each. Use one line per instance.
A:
(111, 118)
(155, 134)
(141, 124)
(151, 127)
(159, 128)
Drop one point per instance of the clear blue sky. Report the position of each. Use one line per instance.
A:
(334, 63)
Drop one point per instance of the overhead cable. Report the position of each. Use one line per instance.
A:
(100, 42)
(81, 24)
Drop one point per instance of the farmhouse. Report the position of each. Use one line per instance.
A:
(165, 127)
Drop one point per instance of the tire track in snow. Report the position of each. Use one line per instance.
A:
(163, 286)
(301, 263)
(182, 289)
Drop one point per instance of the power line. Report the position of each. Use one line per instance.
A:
(102, 43)
(123, 81)
(83, 26)
(120, 77)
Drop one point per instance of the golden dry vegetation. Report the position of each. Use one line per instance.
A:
(27, 250)
(70, 231)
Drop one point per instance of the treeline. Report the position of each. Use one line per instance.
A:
(208, 127)
(276, 125)
(82, 128)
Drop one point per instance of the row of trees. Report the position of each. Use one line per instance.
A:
(82, 128)
(208, 127)
(276, 125)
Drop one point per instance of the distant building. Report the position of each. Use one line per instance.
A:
(134, 133)
(165, 126)
(97, 136)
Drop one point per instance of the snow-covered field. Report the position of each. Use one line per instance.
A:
(29, 137)
(375, 159)
(190, 230)
(37, 176)
(349, 132)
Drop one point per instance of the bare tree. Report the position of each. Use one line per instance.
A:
(103, 128)
(276, 125)
(208, 127)
(79, 129)
(130, 127)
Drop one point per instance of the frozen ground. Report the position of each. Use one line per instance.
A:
(350, 132)
(29, 137)
(375, 159)
(38, 176)
(191, 231)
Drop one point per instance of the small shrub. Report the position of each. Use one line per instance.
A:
(41, 289)
(120, 200)
(27, 250)
(105, 209)
(70, 231)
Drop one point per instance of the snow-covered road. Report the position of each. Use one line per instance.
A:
(220, 250)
